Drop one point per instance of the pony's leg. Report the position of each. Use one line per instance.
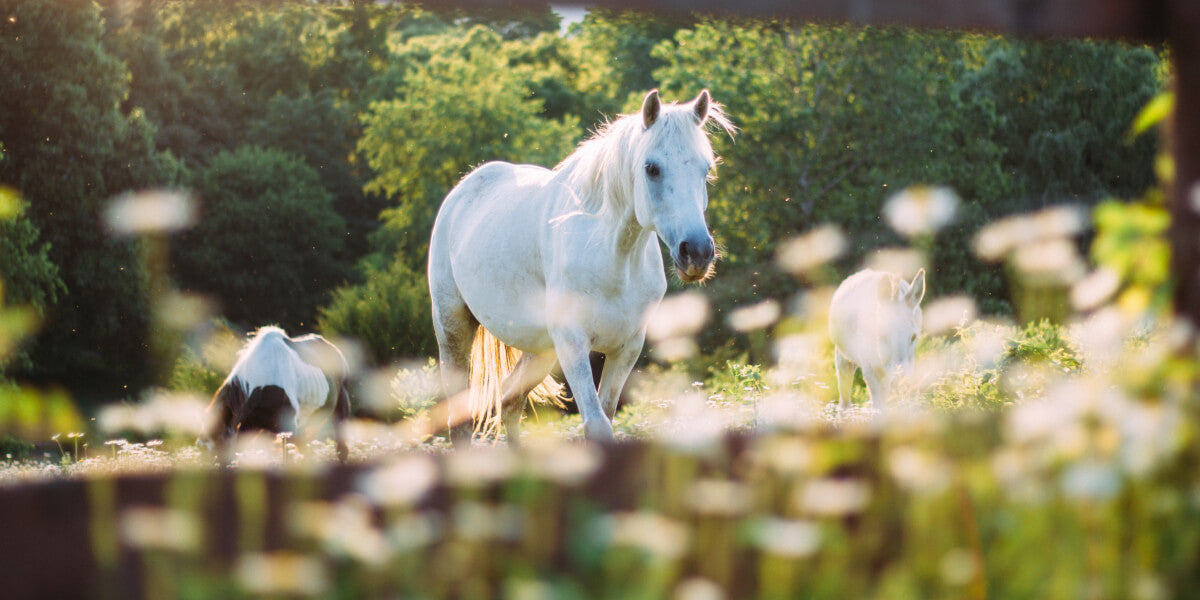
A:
(341, 412)
(617, 366)
(530, 370)
(455, 328)
(845, 378)
(573, 347)
(877, 385)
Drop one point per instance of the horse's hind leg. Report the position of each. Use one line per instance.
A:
(455, 328)
(530, 370)
(845, 378)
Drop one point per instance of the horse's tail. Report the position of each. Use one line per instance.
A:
(492, 361)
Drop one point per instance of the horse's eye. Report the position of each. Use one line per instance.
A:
(913, 339)
(652, 170)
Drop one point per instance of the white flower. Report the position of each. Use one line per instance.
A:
(921, 210)
(813, 249)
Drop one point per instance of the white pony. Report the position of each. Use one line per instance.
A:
(874, 321)
(558, 263)
(278, 382)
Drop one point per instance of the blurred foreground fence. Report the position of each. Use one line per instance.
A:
(1103, 501)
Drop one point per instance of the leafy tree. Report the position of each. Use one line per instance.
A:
(268, 243)
(1063, 108)
(27, 276)
(67, 146)
(389, 313)
(833, 120)
(459, 108)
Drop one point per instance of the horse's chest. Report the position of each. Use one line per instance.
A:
(611, 317)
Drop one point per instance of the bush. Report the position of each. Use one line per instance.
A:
(389, 313)
(268, 244)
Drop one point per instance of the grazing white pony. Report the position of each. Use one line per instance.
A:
(558, 263)
(279, 382)
(874, 321)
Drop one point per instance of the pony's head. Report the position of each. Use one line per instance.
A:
(673, 163)
(906, 299)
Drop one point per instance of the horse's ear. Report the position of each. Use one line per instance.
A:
(701, 104)
(887, 287)
(650, 108)
(916, 290)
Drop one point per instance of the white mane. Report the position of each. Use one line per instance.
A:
(600, 172)
(268, 359)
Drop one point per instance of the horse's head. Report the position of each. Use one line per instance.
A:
(671, 178)
(906, 317)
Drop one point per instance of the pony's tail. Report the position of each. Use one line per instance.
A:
(491, 362)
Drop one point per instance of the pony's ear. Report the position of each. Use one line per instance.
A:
(887, 287)
(701, 106)
(916, 290)
(650, 108)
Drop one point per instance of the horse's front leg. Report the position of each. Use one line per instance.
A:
(617, 366)
(573, 347)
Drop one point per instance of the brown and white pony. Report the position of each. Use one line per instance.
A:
(279, 382)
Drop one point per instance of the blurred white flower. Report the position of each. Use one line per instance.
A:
(561, 462)
(151, 211)
(1053, 261)
(282, 574)
(682, 314)
(919, 471)
(1090, 480)
(948, 313)
(480, 466)
(755, 316)
(830, 497)
(958, 566)
(1095, 289)
(478, 521)
(403, 481)
(160, 529)
(903, 261)
(652, 532)
(675, 349)
(921, 210)
(811, 250)
(414, 531)
(698, 588)
(788, 538)
(719, 497)
(995, 240)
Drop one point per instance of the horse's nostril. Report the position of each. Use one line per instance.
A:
(683, 251)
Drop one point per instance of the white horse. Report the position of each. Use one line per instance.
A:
(279, 382)
(874, 321)
(558, 263)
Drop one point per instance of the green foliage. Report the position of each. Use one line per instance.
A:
(28, 279)
(389, 313)
(1044, 342)
(268, 230)
(461, 107)
(1064, 108)
(811, 103)
(67, 147)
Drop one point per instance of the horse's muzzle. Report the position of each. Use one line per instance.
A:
(694, 259)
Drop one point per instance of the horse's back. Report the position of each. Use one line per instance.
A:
(486, 248)
(860, 315)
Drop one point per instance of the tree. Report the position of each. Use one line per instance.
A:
(67, 146)
(27, 276)
(389, 313)
(268, 244)
(1064, 108)
(459, 108)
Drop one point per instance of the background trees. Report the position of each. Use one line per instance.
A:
(324, 137)
(269, 243)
